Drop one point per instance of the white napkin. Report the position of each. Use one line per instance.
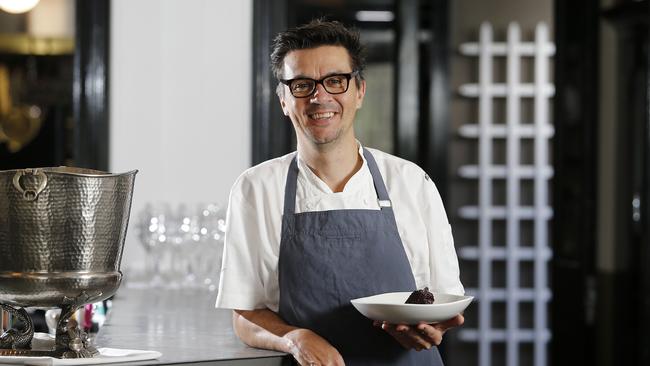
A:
(106, 355)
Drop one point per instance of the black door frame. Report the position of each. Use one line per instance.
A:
(575, 114)
(589, 305)
(629, 284)
(91, 84)
(645, 252)
(272, 134)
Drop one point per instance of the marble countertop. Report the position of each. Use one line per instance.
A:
(183, 325)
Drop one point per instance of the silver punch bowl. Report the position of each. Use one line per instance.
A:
(62, 234)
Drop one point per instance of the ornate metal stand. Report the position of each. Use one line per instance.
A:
(70, 341)
(17, 338)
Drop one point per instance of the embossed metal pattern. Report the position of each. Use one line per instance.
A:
(67, 240)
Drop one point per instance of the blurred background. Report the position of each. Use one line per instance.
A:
(532, 117)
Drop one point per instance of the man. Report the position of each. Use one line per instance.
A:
(309, 231)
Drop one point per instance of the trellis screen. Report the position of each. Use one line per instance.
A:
(519, 256)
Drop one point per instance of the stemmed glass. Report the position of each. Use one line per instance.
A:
(184, 246)
(213, 231)
(153, 236)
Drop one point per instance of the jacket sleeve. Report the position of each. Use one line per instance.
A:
(241, 286)
(443, 261)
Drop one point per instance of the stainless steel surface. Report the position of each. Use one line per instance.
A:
(183, 325)
(62, 234)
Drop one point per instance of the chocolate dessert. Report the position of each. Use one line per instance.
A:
(420, 297)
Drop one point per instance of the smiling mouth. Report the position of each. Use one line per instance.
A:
(324, 115)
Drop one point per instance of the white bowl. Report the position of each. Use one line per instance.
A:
(391, 307)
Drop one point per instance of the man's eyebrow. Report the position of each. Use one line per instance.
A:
(302, 76)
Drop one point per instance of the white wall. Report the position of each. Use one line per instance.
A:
(179, 100)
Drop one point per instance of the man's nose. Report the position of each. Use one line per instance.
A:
(320, 94)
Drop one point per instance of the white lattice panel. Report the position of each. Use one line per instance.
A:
(513, 252)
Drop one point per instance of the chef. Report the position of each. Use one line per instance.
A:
(333, 221)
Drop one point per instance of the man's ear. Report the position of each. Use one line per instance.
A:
(280, 92)
(283, 104)
(361, 93)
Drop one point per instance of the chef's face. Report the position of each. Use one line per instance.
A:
(321, 118)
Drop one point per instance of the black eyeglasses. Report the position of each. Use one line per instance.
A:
(333, 84)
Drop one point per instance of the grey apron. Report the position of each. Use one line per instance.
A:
(328, 258)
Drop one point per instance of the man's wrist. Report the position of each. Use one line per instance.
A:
(291, 340)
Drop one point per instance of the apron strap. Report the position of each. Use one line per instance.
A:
(290, 189)
(380, 187)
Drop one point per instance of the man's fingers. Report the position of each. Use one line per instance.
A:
(402, 340)
(431, 333)
(314, 361)
(425, 338)
(435, 332)
(402, 328)
(422, 336)
(408, 337)
(393, 332)
(456, 321)
(301, 361)
(420, 341)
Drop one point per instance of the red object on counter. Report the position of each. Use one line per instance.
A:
(88, 317)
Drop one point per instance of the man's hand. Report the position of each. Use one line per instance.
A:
(310, 349)
(262, 328)
(421, 336)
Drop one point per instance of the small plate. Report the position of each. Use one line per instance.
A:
(391, 307)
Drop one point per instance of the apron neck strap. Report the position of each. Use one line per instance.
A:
(290, 188)
(380, 187)
(292, 181)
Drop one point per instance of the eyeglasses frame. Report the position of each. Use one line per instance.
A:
(348, 76)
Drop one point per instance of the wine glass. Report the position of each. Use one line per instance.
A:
(153, 235)
(213, 230)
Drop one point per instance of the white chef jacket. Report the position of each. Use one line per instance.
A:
(249, 273)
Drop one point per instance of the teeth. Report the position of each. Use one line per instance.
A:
(322, 115)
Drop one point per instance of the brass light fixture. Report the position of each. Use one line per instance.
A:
(20, 124)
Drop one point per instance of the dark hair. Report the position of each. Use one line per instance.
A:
(317, 33)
